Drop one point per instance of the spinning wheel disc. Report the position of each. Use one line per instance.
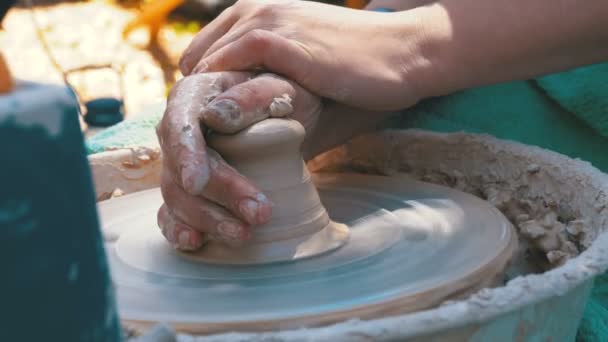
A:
(412, 245)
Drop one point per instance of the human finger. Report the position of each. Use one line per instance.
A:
(262, 49)
(204, 39)
(264, 96)
(202, 215)
(180, 133)
(180, 235)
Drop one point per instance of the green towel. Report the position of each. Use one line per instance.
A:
(583, 92)
(139, 131)
(566, 112)
(515, 111)
(594, 326)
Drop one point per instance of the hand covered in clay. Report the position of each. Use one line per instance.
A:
(359, 58)
(205, 197)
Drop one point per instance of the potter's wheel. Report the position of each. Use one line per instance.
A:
(411, 246)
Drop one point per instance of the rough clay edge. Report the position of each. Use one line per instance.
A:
(488, 303)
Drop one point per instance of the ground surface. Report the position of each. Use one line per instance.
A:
(81, 34)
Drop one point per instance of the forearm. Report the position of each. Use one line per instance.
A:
(471, 43)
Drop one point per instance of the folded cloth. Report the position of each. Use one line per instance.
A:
(582, 92)
(594, 326)
(517, 111)
(137, 131)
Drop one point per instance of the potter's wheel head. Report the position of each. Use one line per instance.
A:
(412, 245)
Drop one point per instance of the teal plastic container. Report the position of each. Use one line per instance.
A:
(55, 282)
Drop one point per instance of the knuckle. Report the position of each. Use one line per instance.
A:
(244, 4)
(305, 72)
(248, 93)
(267, 11)
(259, 39)
(272, 11)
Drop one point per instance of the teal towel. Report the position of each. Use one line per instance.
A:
(594, 326)
(515, 111)
(139, 131)
(566, 112)
(583, 92)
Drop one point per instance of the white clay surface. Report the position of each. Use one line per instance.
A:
(268, 154)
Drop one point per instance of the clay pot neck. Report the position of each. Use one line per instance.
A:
(268, 153)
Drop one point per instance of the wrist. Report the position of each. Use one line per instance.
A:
(426, 35)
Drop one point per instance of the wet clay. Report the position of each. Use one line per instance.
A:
(268, 154)
(125, 170)
(281, 106)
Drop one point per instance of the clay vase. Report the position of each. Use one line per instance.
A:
(268, 153)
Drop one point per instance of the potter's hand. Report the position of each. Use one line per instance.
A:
(203, 194)
(363, 59)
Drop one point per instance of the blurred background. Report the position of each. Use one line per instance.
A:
(107, 48)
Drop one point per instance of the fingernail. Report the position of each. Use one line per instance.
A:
(184, 240)
(249, 209)
(168, 229)
(265, 208)
(231, 231)
(256, 211)
(227, 110)
(170, 234)
(200, 68)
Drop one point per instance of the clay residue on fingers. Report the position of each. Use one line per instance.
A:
(186, 138)
(281, 106)
(186, 102)
(194, 173)
(225, 116)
